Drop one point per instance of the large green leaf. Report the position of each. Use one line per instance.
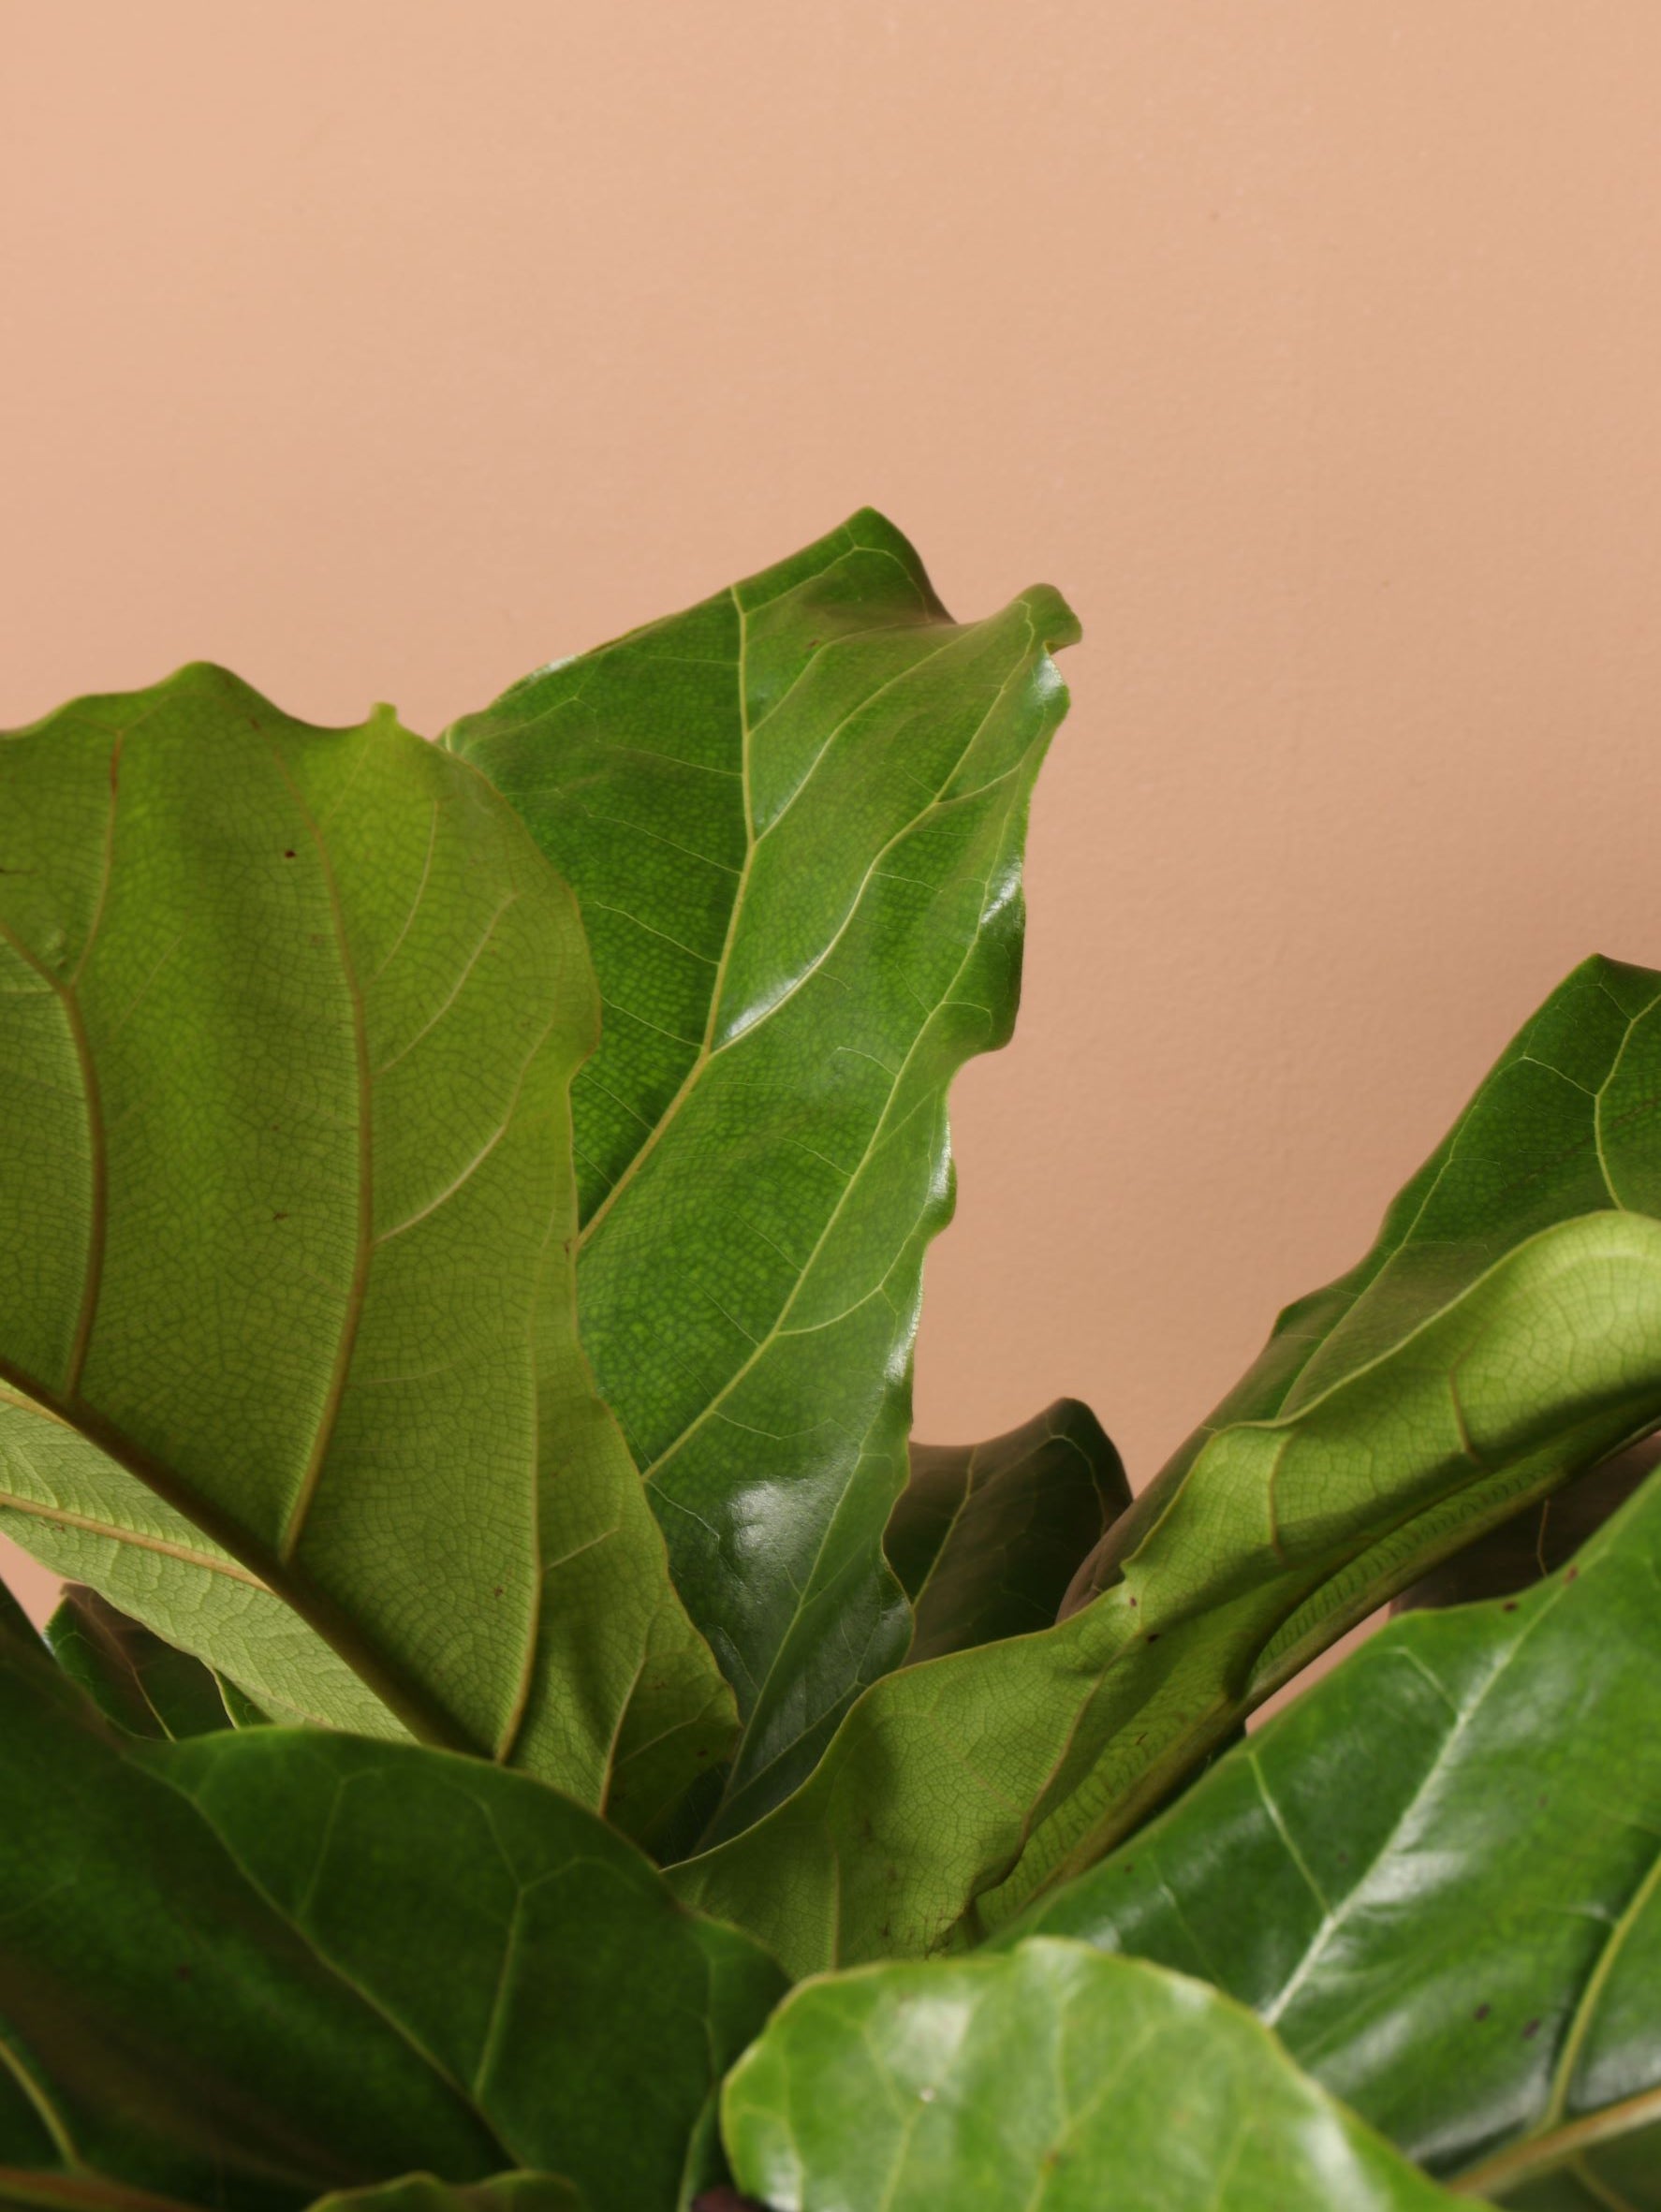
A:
(287, 1023)
(1523, 1342)
(1051, 2080)
(794, 818)
(985, 1538)
(250, 1966)
(1438, 1875)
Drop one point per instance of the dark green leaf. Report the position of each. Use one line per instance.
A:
(1535, 1542)
(36, 2191)
(287, 1357)
(15, 1625)
(985, 1538)
(422, 2192)
(414, 2192)
(1051, 2080)
(250, 1966)
(794, 817)
(135, 1679)
(1438, 1875)
(1514, 1337)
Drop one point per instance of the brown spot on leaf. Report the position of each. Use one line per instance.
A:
(1482, 2012)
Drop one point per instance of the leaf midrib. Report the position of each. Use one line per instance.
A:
(363, 1226)
(427, 1721)
(69, 998)
(708, 1049)
(1538, 2155)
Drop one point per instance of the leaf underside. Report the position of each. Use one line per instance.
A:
(288, 1367)
(794, 817)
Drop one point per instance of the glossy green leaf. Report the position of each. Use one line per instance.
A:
(1438, 1875)
(1523, 1342)
(287, 1023)
(794, 819)
(144, 1685)
(250, 1966)
(1051, 2080)
(985, 1538)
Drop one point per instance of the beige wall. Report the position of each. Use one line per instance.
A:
(1313, 346)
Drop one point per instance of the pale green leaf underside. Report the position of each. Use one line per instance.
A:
(288, 1023)
(957, 1790)
(1438, 1877)
(1052, 2079)
(793, 816)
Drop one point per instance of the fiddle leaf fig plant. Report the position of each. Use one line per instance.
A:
(528, 1730)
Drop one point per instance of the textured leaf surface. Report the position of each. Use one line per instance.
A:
(1051, 2080)
(144, 1686)
(251, 1967)
(287, 1021)
(1523, 1342)
(794, 818)
(1438, 1877)
(985, 1538)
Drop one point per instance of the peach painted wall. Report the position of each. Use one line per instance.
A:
(384, 348)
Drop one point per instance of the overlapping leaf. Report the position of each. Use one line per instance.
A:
(794, 818)
(1051, 2080)
(287, 1021)
(985, 1538)
(1438, 1875)
(1568, 1124)
(248, 1968)
(140, 1683)
(1510, 1334)
(1536, 1541)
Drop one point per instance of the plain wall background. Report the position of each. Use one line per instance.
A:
(386, 350)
